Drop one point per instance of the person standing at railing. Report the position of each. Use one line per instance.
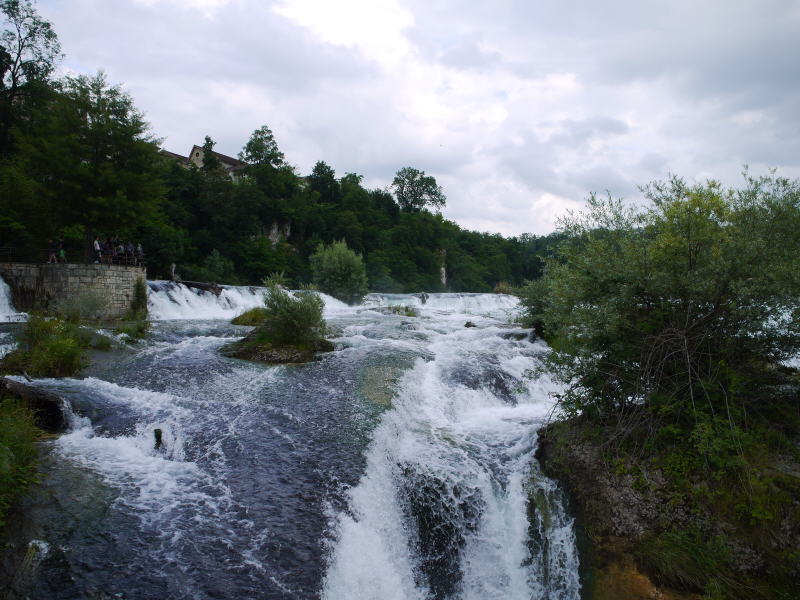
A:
(51, 251)
(62, 253)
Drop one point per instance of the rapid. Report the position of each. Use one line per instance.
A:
(399, 466)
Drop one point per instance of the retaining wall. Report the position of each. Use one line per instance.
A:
(42, 286)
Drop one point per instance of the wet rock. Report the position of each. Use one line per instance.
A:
(469, 324)
(518, 336)
(49, 409)
(442, 514)
(487, 375)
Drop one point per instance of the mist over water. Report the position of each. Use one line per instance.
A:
(399, 466)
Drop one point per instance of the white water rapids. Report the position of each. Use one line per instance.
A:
(399, 467)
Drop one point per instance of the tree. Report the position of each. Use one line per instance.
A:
(262, 149)
(29, 50)
(415, 190)
(93, 161)
(684, 307)
(323, 181)
(340, 272)
(211, 164)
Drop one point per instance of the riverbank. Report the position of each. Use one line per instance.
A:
(651, 526)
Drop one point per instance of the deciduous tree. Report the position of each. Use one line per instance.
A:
(415, 190)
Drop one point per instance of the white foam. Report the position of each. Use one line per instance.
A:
(8, 314)
(469, 439)
(168, 300)
(489, 305)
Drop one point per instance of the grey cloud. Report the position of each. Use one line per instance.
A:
(577, 132)
(604, 179)
(684, 75)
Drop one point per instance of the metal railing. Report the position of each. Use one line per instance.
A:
(36, 256)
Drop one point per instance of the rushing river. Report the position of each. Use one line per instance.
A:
(399, 466)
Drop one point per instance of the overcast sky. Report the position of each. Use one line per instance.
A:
(519, 108)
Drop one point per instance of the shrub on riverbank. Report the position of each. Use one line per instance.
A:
(18, 436)
(138, 310)
(668, 326)
(48, 347)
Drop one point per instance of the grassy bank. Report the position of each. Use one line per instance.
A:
(18, 453)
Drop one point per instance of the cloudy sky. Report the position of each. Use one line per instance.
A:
(519, 108)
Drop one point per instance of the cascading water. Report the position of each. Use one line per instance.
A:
(8, 314)
(398, 466)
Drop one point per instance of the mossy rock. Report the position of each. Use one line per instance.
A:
(255, 347)
(254, 316)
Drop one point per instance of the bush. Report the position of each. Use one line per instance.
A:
(138, 310)
(276, 278)
(49, 348)
(503, 287)
(293, 321)
(679, 306)
(340, 272)
(18, 437)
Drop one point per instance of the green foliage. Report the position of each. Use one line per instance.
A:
(135, 330)
(262, 149)
(215, 268)
(503, 287)
(276, 278)
(340, 272)
(415, 190)
(293, 321)
(211, 164)
(18, 453)
(48, 348)
(675, 305)
(254, 316)
(29, 50)
(138, 308)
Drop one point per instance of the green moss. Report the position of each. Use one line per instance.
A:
(687, 561)
(254, 316)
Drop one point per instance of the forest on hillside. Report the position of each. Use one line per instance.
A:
(78, 161)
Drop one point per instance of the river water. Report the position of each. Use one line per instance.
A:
(399, 466)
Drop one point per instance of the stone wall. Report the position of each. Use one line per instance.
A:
(42, 286)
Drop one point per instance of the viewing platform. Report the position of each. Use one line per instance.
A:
(41, 286)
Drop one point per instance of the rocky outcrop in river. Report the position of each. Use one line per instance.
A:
(257, 346)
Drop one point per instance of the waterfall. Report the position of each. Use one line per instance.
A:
(168, 301)
(8, 314)
(399, 466)
(450, 505)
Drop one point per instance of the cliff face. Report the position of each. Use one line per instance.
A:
(642, 540)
